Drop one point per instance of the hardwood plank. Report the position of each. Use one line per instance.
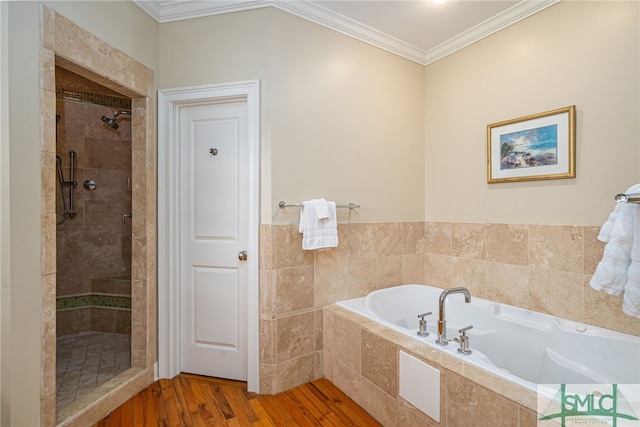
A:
(162, 417)
(192, 400)
(348, 406)
(150, 417)
(262, 414)
(300, 414)
(238, 403)
(138, 410)
(278, 414)
(188, 401)
(209, 410)
(318, 414)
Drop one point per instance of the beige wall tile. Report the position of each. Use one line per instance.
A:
(376, 402)
(605, 310)
(508, 243)
(556, 247)
(362, 241)
(389, 272)
(527, 418)
(362, 277)
(268, 374)
(388, 239)
(410, 416)
(294, 336)
(471, 405)
(267, 341)
(346, 343)
(413, 238)
(339, 254)
(508, 284)
(318, 330)
(593, 249)
(413, 268)
(267, 292)
(331, 283)
(557, 293)
(379, 362)
(346, 379)
(471, 274)
(438, 238)
(294, 289)
(294, 372)
(266, 247)
(438, 270)
(287, 248)
(469, 240)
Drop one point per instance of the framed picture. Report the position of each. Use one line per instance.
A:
(540, 146)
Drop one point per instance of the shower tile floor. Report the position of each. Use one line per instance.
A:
(88, 360)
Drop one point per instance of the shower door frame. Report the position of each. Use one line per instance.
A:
(169, 102)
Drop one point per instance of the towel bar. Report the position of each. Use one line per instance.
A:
(630, 198)
(283, 205)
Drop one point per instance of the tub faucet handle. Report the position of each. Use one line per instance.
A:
(463, 340)
(422, 324)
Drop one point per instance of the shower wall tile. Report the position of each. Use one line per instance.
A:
(339, 254)
(102, 153)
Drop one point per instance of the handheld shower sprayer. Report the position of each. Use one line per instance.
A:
(111, 121)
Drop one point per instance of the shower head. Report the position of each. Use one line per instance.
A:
(111, 121)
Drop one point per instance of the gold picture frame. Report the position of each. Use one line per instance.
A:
(536, 147)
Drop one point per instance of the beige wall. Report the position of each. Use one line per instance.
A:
(22, 291)
(582, 53)
(340, 119)
(122, 24)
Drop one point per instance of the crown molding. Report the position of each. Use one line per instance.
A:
(169, 11)
(514, 14)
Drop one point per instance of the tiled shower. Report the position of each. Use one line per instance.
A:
(93, 263)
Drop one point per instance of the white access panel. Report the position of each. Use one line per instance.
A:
(420, 385)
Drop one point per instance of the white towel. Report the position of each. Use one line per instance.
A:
(618, 273)
(318, 224)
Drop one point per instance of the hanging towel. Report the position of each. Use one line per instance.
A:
(618, 273)
(318, 224)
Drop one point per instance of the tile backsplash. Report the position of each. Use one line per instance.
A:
(544, 268)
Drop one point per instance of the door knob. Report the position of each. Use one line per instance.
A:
(242, 255)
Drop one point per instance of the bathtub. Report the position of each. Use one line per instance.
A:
(522, 346)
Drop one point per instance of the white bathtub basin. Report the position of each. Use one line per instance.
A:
(523, 346)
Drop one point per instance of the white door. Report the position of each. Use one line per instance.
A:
(214, 177)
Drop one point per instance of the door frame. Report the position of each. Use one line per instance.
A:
(169, 103)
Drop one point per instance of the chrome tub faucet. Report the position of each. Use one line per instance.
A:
(442, 323)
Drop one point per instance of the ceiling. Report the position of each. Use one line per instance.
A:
(419, 30)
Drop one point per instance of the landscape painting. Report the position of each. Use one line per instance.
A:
(539, 146)
(529, 148)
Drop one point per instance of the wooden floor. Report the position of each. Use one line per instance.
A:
(191, 400)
